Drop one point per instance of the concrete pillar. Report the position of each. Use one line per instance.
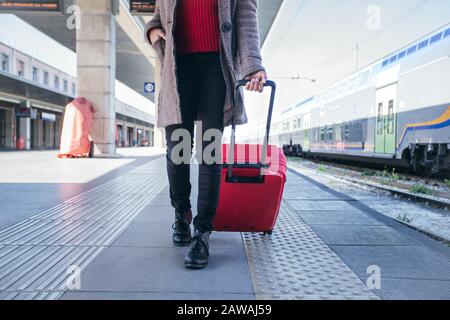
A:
(24, 131)
(9, 124)
(96, 70)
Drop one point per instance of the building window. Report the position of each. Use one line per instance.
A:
(35, 74)
(56, 82)
(20, 68)
(46, 78)
(66, 86)
(74, 89)
(5, 62)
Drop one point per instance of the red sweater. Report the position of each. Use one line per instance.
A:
(197, 26)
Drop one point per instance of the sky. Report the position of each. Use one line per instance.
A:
(22, 36)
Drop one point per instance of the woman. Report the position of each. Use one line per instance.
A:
(204, 46)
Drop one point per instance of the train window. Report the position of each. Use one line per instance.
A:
(294, 124)
(436, 38)
(412, 50)
(385, 63)
(376, 69)
(390, 123)
(359, 131)
(380, 122)
(393, 59)
(447, 33)
(322, 134)
(347, 132)
(380, 111)
(423, 44)
(330, 132)
(401, 55)
(355, 133)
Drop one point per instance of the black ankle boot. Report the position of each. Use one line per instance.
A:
(182, 229)
(197, 256)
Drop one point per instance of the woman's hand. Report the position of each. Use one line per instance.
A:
(156, 34)
(257, 81)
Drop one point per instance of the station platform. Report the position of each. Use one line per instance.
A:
(111, 220)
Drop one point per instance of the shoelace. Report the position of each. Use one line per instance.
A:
(197, 240)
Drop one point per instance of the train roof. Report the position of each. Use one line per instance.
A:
(361, 78)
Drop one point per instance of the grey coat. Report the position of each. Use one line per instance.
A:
(240, 55)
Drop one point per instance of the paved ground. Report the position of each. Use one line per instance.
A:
(112, 220)
(435, 221)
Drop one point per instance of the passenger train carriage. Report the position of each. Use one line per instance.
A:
(395, 111)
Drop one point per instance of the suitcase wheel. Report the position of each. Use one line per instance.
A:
(268, 233)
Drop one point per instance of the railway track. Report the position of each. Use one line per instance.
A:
(375, 167)
(432, 191)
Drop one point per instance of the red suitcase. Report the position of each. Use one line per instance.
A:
(252, 184)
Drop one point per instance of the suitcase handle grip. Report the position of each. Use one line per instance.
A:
(247, 180)
(239, 84)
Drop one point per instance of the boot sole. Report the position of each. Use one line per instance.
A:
(182, 244)
(195, 266)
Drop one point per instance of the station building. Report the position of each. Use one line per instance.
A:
(33, 97)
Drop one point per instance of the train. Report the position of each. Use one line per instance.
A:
(393, 112)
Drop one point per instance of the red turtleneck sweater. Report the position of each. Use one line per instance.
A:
(197, 26)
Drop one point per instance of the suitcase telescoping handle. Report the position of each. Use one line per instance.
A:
(262, 164)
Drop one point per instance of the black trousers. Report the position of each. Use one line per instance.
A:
(202, 92)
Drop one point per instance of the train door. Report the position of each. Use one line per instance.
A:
(307, 128)
(386, 121)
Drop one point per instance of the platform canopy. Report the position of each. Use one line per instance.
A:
(134, 58)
